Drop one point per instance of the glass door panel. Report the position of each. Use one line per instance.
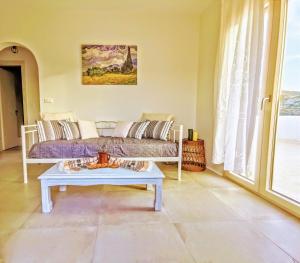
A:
(286, 166)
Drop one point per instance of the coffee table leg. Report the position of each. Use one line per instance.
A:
(158, 196)
(46, 197)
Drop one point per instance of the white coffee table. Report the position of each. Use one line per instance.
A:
(55, 176)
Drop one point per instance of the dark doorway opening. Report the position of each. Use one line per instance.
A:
(17, 72)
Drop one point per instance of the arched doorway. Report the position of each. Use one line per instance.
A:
(18, 72)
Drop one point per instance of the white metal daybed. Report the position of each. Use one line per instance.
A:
(29, 137)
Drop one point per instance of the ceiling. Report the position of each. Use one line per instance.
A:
(177, 6)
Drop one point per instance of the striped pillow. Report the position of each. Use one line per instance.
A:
(49, 131)
(149, 130)
(137, 129)
(71, 130)
(158, 130)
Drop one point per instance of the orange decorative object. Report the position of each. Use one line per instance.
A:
(193, 155)
(103, 158)
(101, 165)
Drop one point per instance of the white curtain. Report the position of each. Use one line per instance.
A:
(238, 82)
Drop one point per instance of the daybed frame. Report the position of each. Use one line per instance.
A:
(29, 137)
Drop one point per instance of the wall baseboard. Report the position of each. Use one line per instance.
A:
(214, 170)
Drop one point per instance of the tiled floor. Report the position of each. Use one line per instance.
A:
(205, 218)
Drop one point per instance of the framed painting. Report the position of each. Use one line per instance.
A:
(109, 64)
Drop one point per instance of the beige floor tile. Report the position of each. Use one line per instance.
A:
(127, 200)
(171, 172)
(171, 182)
(10, 172)
(228, 242)
(125, 207)
(127, 223)
(27, 190)
(35, 170)
(12, 220)
(4, 236)
(77, 201)
(208, 179)
(51, 245)
(248, 205)
(284, 233)
(187, 183)
(60, 219)
(195, 206)
(140, 243)
(78, 206)
(19, 201)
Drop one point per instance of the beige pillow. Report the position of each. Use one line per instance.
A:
(157, 117)
(58, 116)
(122, 129)
(87, 129)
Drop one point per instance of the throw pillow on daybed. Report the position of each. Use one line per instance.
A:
(87, 129)
(122, 129)
(49, 130)
(158, 130)
(137, 129)
(71, 130)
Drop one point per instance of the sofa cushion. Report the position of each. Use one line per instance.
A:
(87, 129)
(158, 130)
(122, 129)
(71, 130)
(49, 130)
(137, 129)
(149, 130)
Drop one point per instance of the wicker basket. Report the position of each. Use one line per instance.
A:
(193, 156)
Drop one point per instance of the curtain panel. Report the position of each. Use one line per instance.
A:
(238, 81)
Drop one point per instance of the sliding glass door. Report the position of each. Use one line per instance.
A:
(274, 162)
(280, 165)
(286, 167)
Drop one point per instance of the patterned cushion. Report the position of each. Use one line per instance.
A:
(71, 130)
(137, 129)
(149, 130)
(158, 130)
(49, 131)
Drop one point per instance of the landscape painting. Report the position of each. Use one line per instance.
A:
(109, 64)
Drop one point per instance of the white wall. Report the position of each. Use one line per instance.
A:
(208, 43)
(168, 47)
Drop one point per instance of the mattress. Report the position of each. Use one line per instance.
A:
(116, 147)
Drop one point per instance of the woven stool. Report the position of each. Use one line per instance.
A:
(193, 155)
